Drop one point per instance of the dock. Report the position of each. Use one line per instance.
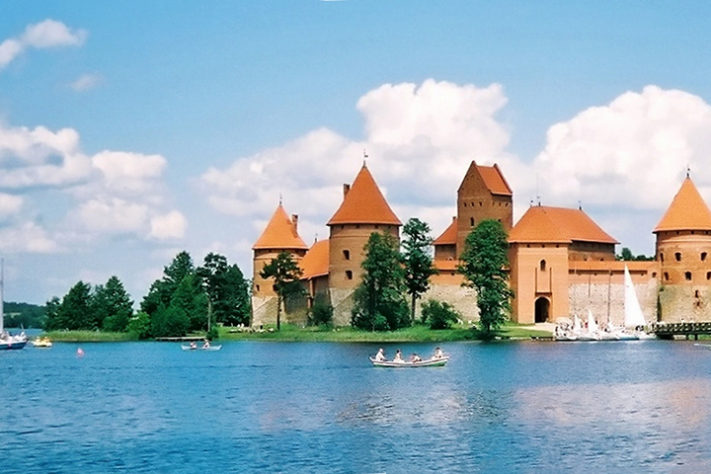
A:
(687, 330)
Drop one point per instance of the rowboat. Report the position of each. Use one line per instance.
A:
(431, 362)
(42, 342)
(187, 347)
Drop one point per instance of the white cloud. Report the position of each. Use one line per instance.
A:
(128, 172)
(112, 216)
(26, 237)
(420, 140)
(10, 204)
(46, 34)
(631, 153)
(168, 226)
(85, 82)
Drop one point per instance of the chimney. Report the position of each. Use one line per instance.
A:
(346, 188)
(454, 218)
(295, 223)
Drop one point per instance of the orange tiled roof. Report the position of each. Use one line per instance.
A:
(557, 225)
(364, 204)
(494, 180)
(279, 233)
(315, 262)
(687, 211)
(449, 236)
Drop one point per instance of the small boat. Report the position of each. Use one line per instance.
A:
(42, 342)
(431, 362)
(188, 347)
(8, 341)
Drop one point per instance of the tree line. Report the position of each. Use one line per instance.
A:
(185, 299)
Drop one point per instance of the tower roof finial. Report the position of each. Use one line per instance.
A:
(365, 156)
(688, 170)
(281, 199)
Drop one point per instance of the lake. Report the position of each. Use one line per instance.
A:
(320, 407)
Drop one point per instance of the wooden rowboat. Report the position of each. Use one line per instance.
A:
(431, 362)
(201, 348)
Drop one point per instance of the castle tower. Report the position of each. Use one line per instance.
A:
(363, 211)
(280, 234)
(542, 244)
(683, 250)
(483, 194)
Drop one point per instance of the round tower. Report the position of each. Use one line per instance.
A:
(683, 249)
(363, 211)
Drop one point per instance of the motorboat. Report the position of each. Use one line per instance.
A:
(42, 342)
(431, 362)
(7, 340)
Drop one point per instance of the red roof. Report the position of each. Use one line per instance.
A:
(557, 225)
(493, 179)
(364, 204)
(449, 236)
(280, 233)
(315, 262)
(687, 211)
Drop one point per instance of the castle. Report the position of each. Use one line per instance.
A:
(561, 262)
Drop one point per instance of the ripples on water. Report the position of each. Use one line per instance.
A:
(271, 407)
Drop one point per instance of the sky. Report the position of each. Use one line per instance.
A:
(133, 130)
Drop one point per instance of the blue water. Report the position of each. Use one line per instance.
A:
(321, 407)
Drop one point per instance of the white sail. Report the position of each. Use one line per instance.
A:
(592, 325)
(633, 312)
(576, 324)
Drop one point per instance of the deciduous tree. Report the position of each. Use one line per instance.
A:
(286, 273)
(417, 260)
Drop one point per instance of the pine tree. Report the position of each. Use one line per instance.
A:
(417, 260)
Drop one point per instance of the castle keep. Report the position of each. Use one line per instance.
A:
(561, 261)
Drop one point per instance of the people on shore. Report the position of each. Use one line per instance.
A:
(398, 356)
(380, 356)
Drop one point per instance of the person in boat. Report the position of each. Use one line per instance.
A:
(380, 356)
(438, 354)
(415, 358)
(206, 344)
(193, 345)
(398, 356)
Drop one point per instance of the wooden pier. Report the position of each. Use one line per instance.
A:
(671, 330)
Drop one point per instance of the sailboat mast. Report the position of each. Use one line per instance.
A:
(2, 295)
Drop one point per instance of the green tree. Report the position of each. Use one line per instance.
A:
(483, 264)
(140, 325)
(53, 320)
(226, 289)
(286, 273)
(162, 290)
(379, 299)
(74, 312)
(189, 301)
(417, 260)
(169, 322)
(112, 305)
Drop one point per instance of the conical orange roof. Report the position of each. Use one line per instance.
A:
(557, 225)
(280, 233)
(687, 211)
(315, 262)
(449, 236)
(364, 204)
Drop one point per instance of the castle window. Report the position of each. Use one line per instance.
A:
(696, 294)
(687, 276)
(257, 286)
(347, 254)
(543, 265)
(703, 256)
(273, 287)
(666, 276)
(465, 204)
(349, 275)
(677, 256)
(654, 274)
(471, 221)
(661, 257)
(480, 203)
(708, 275)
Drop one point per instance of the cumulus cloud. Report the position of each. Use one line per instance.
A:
(112, 215)
(46, 34)
(168, 226)
(27, 237)
(420, 141)
(632, 152)
(85, 82)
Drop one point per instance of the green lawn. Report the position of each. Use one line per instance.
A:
(292, 333)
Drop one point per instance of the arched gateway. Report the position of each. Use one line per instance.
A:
(543, 307)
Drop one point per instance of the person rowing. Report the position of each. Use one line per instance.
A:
(380, 356)
(438, 354)
(398, 356)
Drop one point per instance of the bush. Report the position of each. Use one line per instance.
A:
(440, 315)
(140, 325)
(213, 333)
(321, 314)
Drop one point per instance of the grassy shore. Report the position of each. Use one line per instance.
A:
(292, 333)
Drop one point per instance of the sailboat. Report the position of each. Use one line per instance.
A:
(7, 340)
(634, 318)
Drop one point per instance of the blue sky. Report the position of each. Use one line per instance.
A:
(132, 131)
